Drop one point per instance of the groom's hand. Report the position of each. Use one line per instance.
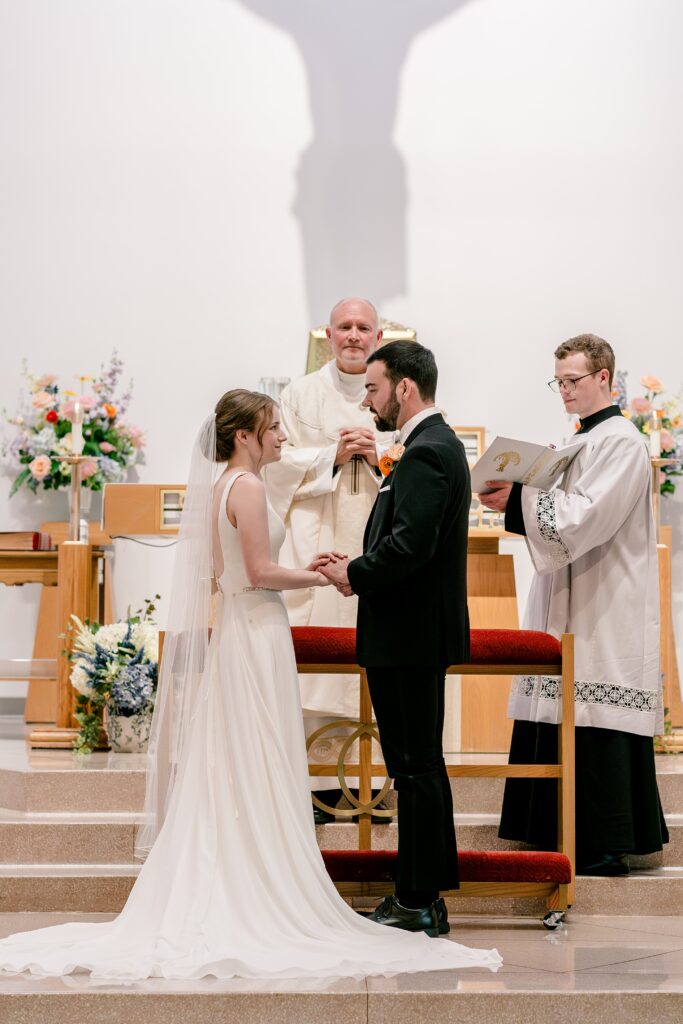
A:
(322, 559)
(335, 570)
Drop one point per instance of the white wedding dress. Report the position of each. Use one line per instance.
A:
(235, 885)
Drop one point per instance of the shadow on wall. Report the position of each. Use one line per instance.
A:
(352, 198)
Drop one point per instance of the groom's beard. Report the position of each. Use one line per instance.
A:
(387, 418)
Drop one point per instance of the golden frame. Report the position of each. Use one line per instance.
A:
(171, 500)
(320, 349)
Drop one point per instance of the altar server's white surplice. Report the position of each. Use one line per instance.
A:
(592, 542)
(320, 510)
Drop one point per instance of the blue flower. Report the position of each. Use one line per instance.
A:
(110, 468)
(133, 689)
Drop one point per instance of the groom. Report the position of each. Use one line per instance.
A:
(411, 582)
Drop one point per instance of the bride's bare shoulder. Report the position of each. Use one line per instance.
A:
(247, 488)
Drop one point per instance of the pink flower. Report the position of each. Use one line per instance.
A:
(641, 406)
(40, 467)
(66, 410)
(137, 437)
(667, 441)
(88, 468)
(106, 447)
(46, 381)
(653, 384)
(43, 400)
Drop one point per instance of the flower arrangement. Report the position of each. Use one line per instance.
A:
(43, 432)
(388, 460)
(639, 410)
(115, 668)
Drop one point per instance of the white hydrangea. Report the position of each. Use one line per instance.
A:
(111, 636)
(43, 442)
(146, 635)
(80, 679)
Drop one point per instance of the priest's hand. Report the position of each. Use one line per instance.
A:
(356, 441)
(497, 497)
(335, 570)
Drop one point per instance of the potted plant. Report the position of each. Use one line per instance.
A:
(115, 671)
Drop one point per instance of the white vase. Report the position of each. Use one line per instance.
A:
(128, 734)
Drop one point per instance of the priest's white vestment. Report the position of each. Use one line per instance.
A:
(320, 509)
(592, 542)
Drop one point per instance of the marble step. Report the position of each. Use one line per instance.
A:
(63, 838)
(90, 888)
(485, 796)
(116, 783)
(72, 786)
(448, 998)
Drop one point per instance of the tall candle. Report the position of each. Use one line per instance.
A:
(77, 430)
(655, 435)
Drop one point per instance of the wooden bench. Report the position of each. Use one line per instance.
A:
(504, 652)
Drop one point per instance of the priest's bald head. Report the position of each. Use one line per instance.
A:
(354, 332)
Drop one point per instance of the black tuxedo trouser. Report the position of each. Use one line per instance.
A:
(409, 707)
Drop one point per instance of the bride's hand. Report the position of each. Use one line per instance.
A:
(322, 581)
(323, 559)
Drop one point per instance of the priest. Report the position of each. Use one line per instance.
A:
(324, 488)
(592, 542)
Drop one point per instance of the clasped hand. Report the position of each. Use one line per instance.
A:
(356, 441)
(332, 565)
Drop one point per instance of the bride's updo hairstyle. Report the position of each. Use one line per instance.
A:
(240, 410)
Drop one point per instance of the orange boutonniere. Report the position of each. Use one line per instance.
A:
(390, 458)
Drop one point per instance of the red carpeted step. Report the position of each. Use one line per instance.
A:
(475, 866)
(333, 645)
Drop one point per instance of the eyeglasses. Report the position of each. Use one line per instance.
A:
(569, 383)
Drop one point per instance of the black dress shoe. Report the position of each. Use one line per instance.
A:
(442, 916)
(608, 865)
(391, 913)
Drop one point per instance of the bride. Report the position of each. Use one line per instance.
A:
(234, 884)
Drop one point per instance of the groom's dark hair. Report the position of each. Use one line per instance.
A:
(412, 360)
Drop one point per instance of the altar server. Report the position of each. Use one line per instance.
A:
(593, 545)
(324, 488)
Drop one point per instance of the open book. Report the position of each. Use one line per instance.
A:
(522, 462)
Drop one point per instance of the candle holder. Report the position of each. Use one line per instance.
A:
(657, 464)
(76, 461)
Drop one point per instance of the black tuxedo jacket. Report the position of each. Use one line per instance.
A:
(412, 577)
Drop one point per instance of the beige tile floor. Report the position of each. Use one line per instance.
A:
(587, 954)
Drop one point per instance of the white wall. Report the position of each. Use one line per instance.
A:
(195, 181)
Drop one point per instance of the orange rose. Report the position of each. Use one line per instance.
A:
(110, 410)
(390, 458)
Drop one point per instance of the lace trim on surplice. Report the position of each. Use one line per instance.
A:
(547, 527)
(587, 692)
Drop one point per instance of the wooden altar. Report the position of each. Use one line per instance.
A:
(78, 573)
